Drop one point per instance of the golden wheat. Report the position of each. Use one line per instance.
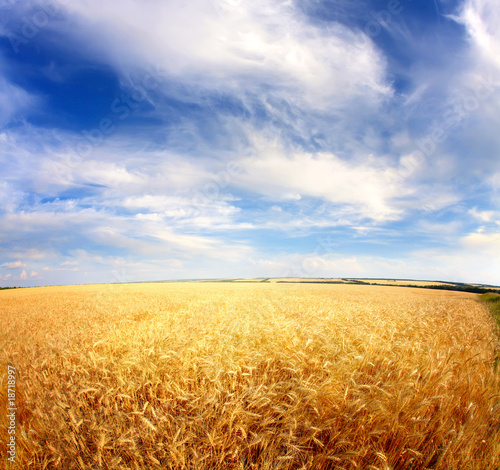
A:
(250, 376)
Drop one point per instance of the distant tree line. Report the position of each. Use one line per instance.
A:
(455, 286)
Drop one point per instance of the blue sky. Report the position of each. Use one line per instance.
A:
(224, 138)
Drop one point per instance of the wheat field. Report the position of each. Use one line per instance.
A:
(250, 376)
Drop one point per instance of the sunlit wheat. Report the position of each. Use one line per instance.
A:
(251, 376)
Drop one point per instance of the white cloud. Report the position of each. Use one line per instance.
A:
(479, 96)
(13, 265)
(69, 263)
(256, 43)
(35, 254)
(289, 175)
(481, 242)
(481, 17)
(14, 101)
(23, 276)
(484, 216)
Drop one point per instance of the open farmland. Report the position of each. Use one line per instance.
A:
(250, 375)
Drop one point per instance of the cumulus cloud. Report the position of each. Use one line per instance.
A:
(69, 263)
(13, 265)
(488, 243)
(365, 187)
(323, 176)
(484, 216)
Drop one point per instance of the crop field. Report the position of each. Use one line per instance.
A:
(250, 376)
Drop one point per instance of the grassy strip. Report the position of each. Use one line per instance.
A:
(493, 302)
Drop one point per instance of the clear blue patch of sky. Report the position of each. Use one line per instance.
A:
(73, 194)
(75, 92)
(346, 241)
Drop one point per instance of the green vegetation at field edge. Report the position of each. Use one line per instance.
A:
(456, 286)
(493, 301)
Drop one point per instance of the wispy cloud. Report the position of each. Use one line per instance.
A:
(254, 43)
